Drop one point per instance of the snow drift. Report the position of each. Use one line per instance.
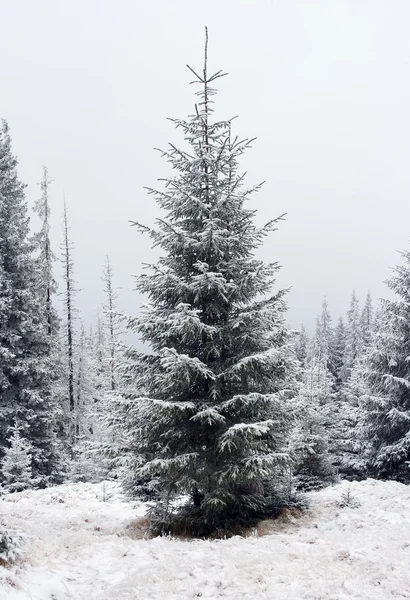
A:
(82, 545)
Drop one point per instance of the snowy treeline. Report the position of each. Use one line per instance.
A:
(54, 375)
(230, 408)
(329, 392)
(357, 372)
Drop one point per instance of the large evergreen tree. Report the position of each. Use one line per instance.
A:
(212, 418)
(26, 366)
(385, 420)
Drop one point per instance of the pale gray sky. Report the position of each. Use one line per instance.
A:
(324, 85)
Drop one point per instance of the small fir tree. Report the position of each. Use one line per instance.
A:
(313, 468)
(212, 419)
(11, 545)
(16, 465)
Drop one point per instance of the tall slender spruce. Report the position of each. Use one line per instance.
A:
(210, 416)
(302, 345)
(338, 353)
(353, 338)
(45, 259)
(69, 310)
(322, 342)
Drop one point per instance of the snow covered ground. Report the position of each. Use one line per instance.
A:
(81, 547)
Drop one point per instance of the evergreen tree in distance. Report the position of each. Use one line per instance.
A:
(302, 345)
(385, 418)
(212, 418)
(46, 283)
(353, 338)
(322, 342)
(111, 322)
(338, 352)
(310, 440)
(315, 401)
(367, 322)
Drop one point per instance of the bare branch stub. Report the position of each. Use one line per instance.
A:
(200, 80)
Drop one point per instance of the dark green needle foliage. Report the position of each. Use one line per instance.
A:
(211, 414)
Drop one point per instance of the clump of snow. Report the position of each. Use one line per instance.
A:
(81, 547)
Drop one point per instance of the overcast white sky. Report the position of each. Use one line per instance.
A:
(324, 85)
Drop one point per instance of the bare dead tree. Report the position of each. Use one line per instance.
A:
(69, 294)
(110, 319)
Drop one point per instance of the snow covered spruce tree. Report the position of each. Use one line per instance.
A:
(302, 345)
(212, 419)
(353, 338)
(69, 339)
(338, 352)
(45, 259)
(313, 468)
(91, 384)
(385, 418)
(351, 455)
(16, 464)
(109, 444)
(27, 368)
(315, 406)
(111, 323)
(11, 545)
(367, 322)
(47, 290)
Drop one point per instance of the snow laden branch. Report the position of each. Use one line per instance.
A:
(245, 433)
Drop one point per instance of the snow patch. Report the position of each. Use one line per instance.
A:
(82, 548)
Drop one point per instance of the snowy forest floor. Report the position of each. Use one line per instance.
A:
(82, 548)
